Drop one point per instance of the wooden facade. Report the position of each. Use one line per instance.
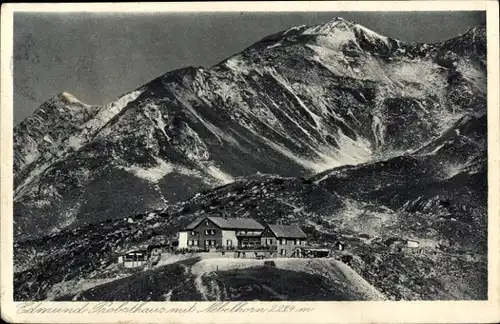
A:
(215, 232)
(205, 235)
(284, 243)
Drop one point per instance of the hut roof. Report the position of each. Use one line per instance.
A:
(287, 231)
(228, 223)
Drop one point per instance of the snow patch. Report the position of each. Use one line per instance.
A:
(330, 27)
(293, 28)
(237, 65)
(104, 115)
(378, 130)
(336, 40)
(218, 174)
(451, 170)
(153, 174)
(75, 142)
(195, 149)
(122, 102)
(47, 139)
(284, 83)
(371, 35)
(286, 152)
(31, 156)
(351, 152)
(153, 113)
(70, 99)
(274, 45)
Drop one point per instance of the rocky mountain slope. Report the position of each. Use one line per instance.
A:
(368, 205)
(299, 102)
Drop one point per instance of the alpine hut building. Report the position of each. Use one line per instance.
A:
(285, 238)
(210, 232)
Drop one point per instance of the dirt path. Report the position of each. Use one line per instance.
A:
(208, 287)
(223, 264)
(200, 287)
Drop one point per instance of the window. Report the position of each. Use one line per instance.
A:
(209, 232)
(229, 243)
(196, 243)
(193, 233)
(283, 241)
(283, 252)
(190, 242)
(297, 242)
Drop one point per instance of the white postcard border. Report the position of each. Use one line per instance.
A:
(324, 312)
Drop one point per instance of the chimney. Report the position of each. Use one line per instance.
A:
(279, 221)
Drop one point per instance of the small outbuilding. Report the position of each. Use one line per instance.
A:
(339, 246)
(412, 244)
(310, 252)
(134, 258)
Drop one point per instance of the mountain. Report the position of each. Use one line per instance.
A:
(296, 103)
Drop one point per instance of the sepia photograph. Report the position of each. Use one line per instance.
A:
(250, 156)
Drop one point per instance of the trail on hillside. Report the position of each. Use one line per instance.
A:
(207, 285)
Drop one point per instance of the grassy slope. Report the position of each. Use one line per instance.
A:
(271, 284)
(191, 280)
(151, 285)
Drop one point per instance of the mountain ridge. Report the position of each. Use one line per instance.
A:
(292, 110)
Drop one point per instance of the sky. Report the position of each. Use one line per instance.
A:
(97, 57)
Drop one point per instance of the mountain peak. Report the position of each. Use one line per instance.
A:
(326, 28)
(68, 98)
